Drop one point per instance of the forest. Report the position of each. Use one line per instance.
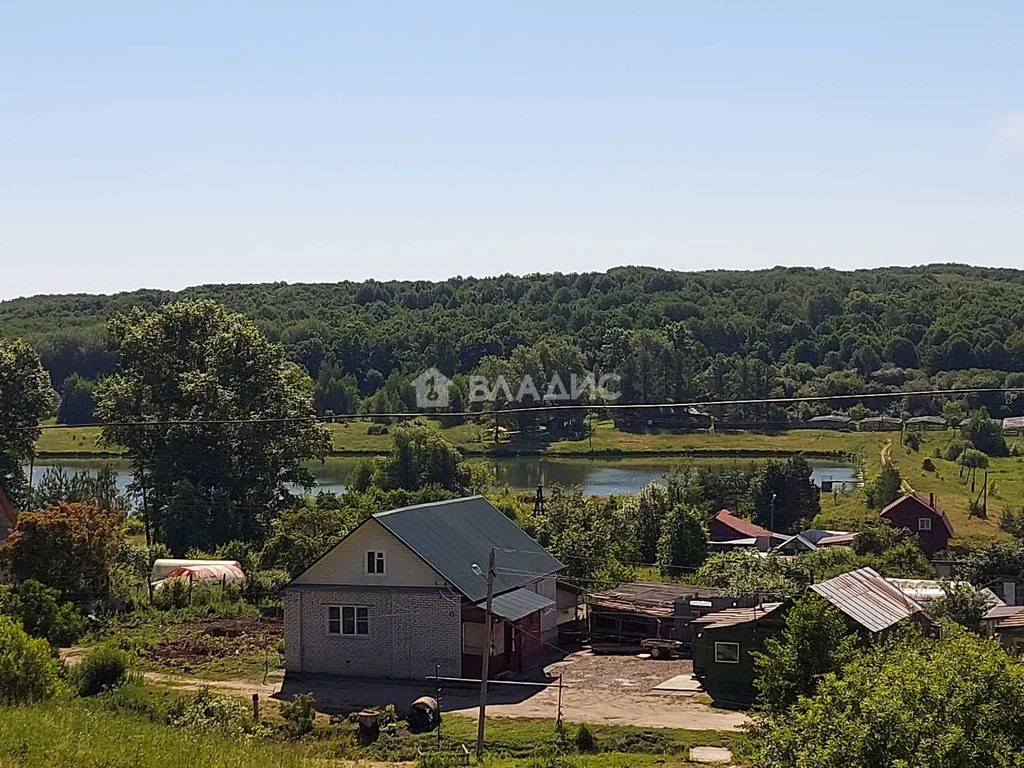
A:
(672, 336)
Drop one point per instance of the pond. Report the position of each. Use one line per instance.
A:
(597, 477)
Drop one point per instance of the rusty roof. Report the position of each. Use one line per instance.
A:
(730, 617)
(741, 526)
(653, 598)
(1013, 621)
(868, 599)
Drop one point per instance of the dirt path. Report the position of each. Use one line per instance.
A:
(645, 710)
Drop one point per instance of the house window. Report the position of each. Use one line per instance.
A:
(924, 523)
(348, 620)
(727, 653)
(375, 562)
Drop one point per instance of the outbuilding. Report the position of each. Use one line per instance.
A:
(8, 519)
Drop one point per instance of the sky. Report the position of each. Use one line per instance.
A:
(167, 145)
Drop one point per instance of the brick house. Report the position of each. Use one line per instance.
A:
(924, 518)
(400, 595)
(7, 516)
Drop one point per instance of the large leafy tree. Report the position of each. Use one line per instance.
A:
(231, 424)
(419, 457)
(26, 398)
(684, 541)
(815, 641)
(783, 494)
(906, 702)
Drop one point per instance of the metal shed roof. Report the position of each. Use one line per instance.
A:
(452, 536)
(732, 616)
(868, 599)
(516, 604)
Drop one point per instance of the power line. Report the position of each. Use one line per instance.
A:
(539, 408)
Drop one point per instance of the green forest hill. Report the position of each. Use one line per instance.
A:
(670, 335)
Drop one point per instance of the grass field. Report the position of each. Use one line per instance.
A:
(91, 734)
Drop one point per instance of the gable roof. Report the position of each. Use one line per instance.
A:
(743, 527)
(928, 505)
(868, 599)
(451, 536)
(7, 510)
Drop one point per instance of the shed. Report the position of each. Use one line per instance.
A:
(1013, 425)
(632, 612)
(870, 602)
(922, 423)
(830, 421)
(722, 648)
(1007, 623)
(880, 424)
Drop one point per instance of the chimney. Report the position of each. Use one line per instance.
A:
(931, 499)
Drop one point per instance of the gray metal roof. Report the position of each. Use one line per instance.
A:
(868, 599)
(452, 536)
(516, 604)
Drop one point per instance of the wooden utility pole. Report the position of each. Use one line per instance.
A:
(485, 667)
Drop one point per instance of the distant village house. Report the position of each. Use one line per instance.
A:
(922, 517)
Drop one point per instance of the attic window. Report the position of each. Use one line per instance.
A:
(375, 562)
(924, 523)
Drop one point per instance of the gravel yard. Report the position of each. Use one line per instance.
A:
(624, 673)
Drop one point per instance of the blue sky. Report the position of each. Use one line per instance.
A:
(145, 146)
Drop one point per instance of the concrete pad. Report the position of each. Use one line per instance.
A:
(710, 755)
(680, 684)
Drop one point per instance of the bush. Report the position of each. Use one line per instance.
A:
(206, 712)
(584, 740)
(28, 670)
(102, 669)
(264, 585)
(928, 465)
(377, 429)
(953, 450)
(35, 605)
(913, 441)
(299, 714)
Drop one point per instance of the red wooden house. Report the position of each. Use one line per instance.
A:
(921, 516)
(725, 526)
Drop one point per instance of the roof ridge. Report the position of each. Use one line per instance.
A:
(424, 505)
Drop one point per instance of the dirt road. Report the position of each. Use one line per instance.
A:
(578, 705)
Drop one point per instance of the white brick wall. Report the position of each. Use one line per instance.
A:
(411, 630)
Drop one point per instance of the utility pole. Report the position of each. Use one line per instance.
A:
(771, 524)
(487, 657)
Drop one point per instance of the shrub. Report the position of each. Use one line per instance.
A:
(377, 429)
(955, 447)
(206, 712)
(299, 714)
(264, 585)
(28, 670)
(913, 441)
(102, 669)
(35, 605)
(584, 740)
(928, 465)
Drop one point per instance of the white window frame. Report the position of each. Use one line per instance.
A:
(380, 562)
(924, 524)
(720, 660)
(336, 615)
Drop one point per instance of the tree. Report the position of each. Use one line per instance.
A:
(81, 487)
(993, 560)
(962, 603)
(884, 489)
(785, 493)
(907, 702)
(591, 536)
(420, 457)
(647, 510)
(985, 434)
(300, 535)
(815, 641)
(26, 398)
(683, 543)
(76, 401)
(742, 573)
(232, 422)
(28, 667)
(69, 547)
